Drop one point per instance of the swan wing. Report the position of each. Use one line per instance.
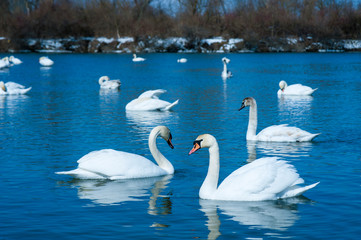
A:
(284, 133)
(298, 89)
(13, 85)
(149, 104)
(112, 164)
(263, 179)
(152, 93)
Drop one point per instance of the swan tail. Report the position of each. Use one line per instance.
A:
(81, 173)
(297, 190)
(169, 107)
(308, 138)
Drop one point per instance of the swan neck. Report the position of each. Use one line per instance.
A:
(252, 122)
(209, 186)
(224, 67)
(157, 155)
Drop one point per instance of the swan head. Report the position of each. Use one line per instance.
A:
(248, 101)
(202, 141)
(2, 86)
(165, 133)
(282, 85)
(103, 79)
(225, 60)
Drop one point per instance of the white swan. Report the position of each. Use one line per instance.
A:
(149, 101)
(182, 60)
(46, 62)
(15, 60)
(275, 133)
(106, 83)
(226, 73)
(112, 164)
(137, 59)
(12, 88)
(294, 89)
(262, 179)
(4, 62)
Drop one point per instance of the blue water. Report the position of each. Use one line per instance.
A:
(65, 116)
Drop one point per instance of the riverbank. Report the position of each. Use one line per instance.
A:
(176, 44)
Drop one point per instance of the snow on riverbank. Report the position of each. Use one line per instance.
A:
(175, 44)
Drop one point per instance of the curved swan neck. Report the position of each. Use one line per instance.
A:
(210, 183)
(157, 155)
(252, 122)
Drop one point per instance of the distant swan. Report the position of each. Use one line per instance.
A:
(137, 59)
(260, 180)
(182, 60)
(106, 83)
(15, 60)
(4, 62)
(226, 73)
(112, 164)
(275, 133)
(12, 88)
(294, 89)
(149, 101)
(46, 62)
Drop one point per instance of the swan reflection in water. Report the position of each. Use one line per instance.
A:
(299, 106)
(272, 215)
(278, 149)
(13, 104)
(146, 120)
(105, 192)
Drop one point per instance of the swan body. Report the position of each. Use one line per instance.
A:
(12, 88)
(112, 164)
(226, 73)
(106, 83)
(46, 62)
(294, 89)
(137, 59)
(263, 179)
(149, 101)
(275, 133)
(182, 60)
(15, 60)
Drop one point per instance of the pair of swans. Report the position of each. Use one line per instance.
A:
(263, 179)
(137, 59)
(12, 88)
(275, 133)
(226, 73)
(294, 89)
(106, 83)
(45, 61)
(149, 101)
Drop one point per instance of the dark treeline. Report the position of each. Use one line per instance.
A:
(248, 19)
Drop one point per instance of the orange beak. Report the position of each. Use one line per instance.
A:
(195, 148)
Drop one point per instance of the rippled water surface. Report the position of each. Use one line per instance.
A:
(65, 116)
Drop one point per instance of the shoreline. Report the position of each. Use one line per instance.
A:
(176, 45)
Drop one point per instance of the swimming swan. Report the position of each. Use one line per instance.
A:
(263, 179)
(137, 59)
(112, 164)
(5, 63)
(226, 73)
(12, 88)
(15, 60)
(182, 60)
(46, 62)
(106, 83)
(294, 89)
(149, 101)
(275, 133)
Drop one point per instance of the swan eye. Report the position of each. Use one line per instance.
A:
(198, 142)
